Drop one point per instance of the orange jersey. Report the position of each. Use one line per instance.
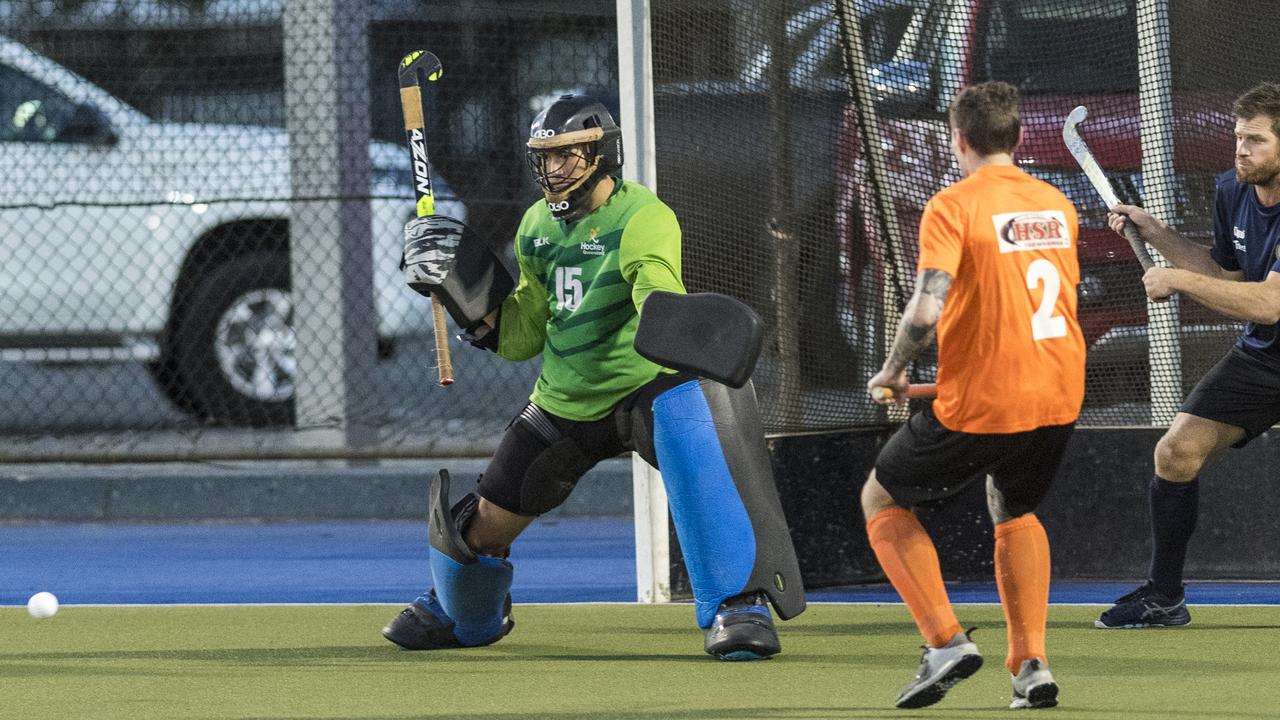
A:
(1010, 351)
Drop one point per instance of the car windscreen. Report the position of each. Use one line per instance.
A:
(1056, 48)
(30, 111)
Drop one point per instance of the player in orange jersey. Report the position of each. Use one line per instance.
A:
(997, 282)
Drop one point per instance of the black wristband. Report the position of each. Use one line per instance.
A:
(483, 336)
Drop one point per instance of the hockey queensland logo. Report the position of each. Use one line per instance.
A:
(1030, 231)
(593, 246)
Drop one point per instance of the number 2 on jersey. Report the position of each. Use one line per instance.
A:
(569, 288)
(1044, 324)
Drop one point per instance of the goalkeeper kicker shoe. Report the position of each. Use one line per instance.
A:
(1033, 686)
(940, 669)
(424, 625)
(743, 630)
(1146, 607)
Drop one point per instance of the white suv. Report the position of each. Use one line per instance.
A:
(129, 239)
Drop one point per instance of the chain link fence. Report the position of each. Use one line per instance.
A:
(799, 141)
(202, 216)
(203, 205)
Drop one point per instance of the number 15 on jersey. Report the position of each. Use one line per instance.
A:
(568, 288)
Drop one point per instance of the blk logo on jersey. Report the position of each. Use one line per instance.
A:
(1030, 231)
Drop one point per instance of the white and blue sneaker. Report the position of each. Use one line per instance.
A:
(1033, 686)
(940, 669)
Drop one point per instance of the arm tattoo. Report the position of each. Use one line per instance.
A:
(936, 284)
(919, 319)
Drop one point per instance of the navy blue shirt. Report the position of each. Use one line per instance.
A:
(1245, 235)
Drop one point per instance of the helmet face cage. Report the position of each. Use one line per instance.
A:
(563, 178)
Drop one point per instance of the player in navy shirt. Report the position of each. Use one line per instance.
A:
(1244, 241)
(1239, 276)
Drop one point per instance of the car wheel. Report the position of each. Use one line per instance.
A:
(233, 345)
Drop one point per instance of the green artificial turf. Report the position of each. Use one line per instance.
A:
(574, 662)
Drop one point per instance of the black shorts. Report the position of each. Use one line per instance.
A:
(1241, 390)
(629, 427)
(925, 462)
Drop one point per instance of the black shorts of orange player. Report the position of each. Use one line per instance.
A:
(925, 462)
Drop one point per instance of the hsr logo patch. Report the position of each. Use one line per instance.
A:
(1029, 231)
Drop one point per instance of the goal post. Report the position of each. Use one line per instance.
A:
(635, 94)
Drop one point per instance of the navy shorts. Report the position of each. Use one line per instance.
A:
(925, 462)
(1241, 390)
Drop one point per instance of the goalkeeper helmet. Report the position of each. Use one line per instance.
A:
(573, 145)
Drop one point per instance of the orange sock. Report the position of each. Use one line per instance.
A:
(909, 559)
(1022, 575)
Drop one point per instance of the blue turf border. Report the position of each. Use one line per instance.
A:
(569, 560)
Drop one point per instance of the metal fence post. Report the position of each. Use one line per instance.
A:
(635, 89)
(1155, 101)
(326, 59)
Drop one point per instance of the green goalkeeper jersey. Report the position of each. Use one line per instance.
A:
(579, 297)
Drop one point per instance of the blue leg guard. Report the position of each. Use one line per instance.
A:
(428, 601)
(719, 481)
(472, 595)
(472, 589)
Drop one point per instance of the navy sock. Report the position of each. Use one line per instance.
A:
(1174, 508)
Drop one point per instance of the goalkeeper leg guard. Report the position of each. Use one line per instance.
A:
(719, 481)
(470, 604)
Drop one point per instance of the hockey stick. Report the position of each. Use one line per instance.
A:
(413, 68)
(915, 391)
(1080, 151)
